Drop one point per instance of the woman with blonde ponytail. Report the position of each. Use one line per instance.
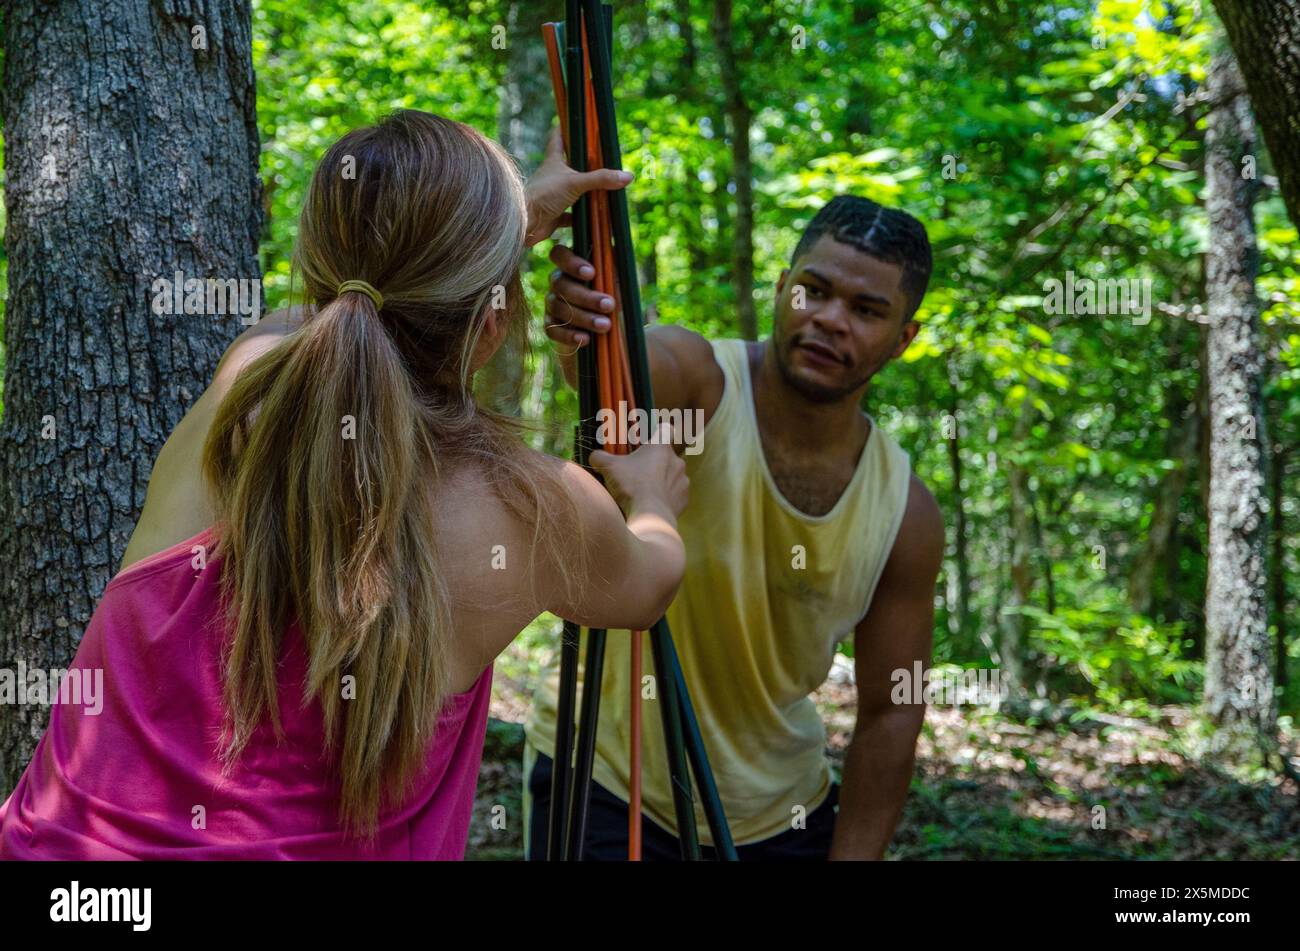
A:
(338, 540)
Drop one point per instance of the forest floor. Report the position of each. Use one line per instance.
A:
(988, 787)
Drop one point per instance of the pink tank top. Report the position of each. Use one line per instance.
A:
(141, 779)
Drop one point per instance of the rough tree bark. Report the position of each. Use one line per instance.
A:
(739, 117)
(1238, 674)
(1266, 37)
(1278, 585)
(131, 152)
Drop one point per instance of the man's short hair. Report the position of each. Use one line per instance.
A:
(888, 234)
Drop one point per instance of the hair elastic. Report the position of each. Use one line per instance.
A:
(364, 288)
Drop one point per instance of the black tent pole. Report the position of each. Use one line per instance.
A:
(699, 758)
(570, 784)
(562, 773)
(599, 24)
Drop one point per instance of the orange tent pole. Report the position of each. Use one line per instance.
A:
(613, 371)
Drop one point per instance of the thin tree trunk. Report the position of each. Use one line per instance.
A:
(857, 119)
(682, 17)
(694, 234)
(1238, 653)
(649, 267)
(1044, 554)
(1279, 564)
(1266, 37)
(990, 548)
(1164, 518)
(525, 114)
(1014, 622)
(739, 117)
(961, 554)
(131, 154)
(526, 108)
(557, 437)
(1157, 555)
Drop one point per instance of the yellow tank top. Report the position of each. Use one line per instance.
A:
(768, 593)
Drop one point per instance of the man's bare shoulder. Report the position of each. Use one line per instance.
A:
(681, 340)
(917, 554)
(694, 375)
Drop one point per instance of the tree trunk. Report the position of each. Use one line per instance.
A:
(131, 152)
(857, 113)
(1158, 555)
(1202, 542)
(525, 114)
(693, 233)
(1014, 622)
(1238, 675)
(1164, 518)
(739, 117)
(959, 612)
(526, 109)
(1266, 37)
(1044, 552)
(649, 267)
(1279, 563)
(686, 29)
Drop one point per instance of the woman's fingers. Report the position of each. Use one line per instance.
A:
(566, 284)
(604, 179)
(555, 144)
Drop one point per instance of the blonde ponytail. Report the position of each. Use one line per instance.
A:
(328, 452)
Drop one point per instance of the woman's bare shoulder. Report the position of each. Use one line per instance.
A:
(255, 341)
(469, 506)
(177, 504)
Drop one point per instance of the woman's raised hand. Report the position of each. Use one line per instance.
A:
(554, 187)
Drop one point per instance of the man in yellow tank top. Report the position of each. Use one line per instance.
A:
(805, 526)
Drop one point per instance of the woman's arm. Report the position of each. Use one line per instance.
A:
(635, 561)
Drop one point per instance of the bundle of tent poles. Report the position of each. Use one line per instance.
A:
(612, 370)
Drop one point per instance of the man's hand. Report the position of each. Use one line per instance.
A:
(554, 188)
(574, 311)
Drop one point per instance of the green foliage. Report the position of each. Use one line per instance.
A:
(325, 68)
(1120, 659)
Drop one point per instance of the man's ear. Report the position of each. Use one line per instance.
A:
(780, 281)
(906, 336)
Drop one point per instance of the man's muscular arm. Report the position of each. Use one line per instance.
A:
(895, 633)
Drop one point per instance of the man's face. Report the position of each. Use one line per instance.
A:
(851, 322)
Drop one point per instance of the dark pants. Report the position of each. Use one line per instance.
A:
(607, 829)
